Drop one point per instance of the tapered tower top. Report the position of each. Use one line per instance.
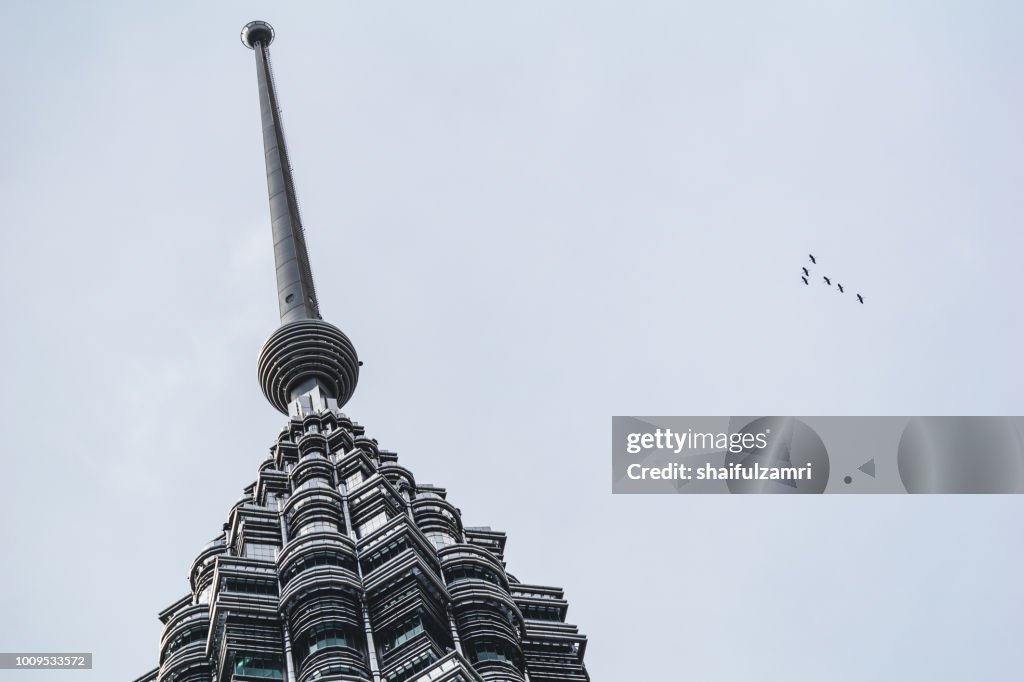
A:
(305, 353)
(295, 292)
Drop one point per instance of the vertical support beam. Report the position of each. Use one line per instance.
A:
(290, 665)
(371, 649)
(455, 632)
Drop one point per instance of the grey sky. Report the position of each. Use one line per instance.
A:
(528, 217)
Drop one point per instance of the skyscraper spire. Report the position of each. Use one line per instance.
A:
(296, 295)
(305, 355)
(335, 564)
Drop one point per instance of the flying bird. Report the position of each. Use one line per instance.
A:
(860, 298)
(805, 280)
(840, 287)
(827, 281)
(812, 258)
(805, 272)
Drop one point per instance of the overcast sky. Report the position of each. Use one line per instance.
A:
(528, 217)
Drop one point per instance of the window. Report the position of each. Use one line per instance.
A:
(491, 650)
(402, 633)
(440, 540)
(372, 524)
(261, 551)
(384, 553)
(318, 527)
(354, 480)
(249, 586)
(538, 612)
(268, 667)
(318, 558)
(190, 636)
(471, 572)
(331, 635)
(312, 482)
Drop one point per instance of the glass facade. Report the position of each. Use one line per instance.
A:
(262, 668)
(392, 598)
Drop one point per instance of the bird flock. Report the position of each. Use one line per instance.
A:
(828, 280)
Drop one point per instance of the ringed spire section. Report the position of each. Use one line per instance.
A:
(302, 355)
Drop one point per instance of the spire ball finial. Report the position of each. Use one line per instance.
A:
(257, 32)
(307, 353)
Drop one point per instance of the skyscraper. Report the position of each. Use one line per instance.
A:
(335, 564)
